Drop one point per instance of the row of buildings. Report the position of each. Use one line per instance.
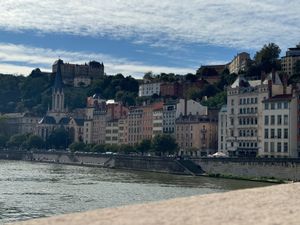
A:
(108, 122)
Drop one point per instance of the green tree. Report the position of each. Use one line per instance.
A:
(17, 140)
(34, 141)
(163, 144)
(98, 148)
(144, 146)
(269, 52)
(3, 140)
(77, 147)
(59, 138)
(267, 57)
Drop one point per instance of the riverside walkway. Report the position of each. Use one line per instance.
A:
(278, 204)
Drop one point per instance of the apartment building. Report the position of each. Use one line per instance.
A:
(245, 113)
(112, 132)
(197, 135)
(222, 130)
(279, 126)
(239, 62)
(169, 117)
(289, 61)
(135, 125)
(149, 89)
(157, 119)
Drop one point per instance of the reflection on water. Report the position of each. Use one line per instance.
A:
(32, 190)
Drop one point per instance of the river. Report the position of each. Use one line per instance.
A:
(33, 190)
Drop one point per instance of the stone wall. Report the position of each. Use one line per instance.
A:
(151, 164)
(275, 168)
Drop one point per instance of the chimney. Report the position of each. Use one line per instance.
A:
(285, 82)
(270, 88)
(273, 76)
(185, 106)
(262, 76)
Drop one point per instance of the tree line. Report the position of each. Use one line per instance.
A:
(60, 139)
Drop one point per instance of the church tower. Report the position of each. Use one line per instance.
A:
(58, 96)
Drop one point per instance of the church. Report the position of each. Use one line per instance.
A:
(58, 116)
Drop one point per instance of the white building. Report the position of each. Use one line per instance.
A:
(222, 130)
(187, 107)
(245, 114)
(169, 117)
(149, 89)
(280, 127)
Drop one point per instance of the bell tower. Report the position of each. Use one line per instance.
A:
(58, 96)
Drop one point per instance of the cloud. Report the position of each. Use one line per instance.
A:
(12, 56)
(244, 24)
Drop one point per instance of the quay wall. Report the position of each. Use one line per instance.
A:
(256, 168)
(253, 169)
(142, 163)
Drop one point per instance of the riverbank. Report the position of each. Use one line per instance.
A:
(265, 206)
(257, 169)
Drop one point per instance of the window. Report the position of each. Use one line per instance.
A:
(272, 120)
(272, 147)
(285, 105)
(285, 147)
(232, 102)
(266, 105)
(272, 105)
(278, 147)
(266, 120)
(279, 105)
(285, 120)
(279, 120)
(278, 133)
(272, 133)
(285, 133)
(232, 111)
(266, 147)
(266, 133)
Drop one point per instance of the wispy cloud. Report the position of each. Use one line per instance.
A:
(12, 56)
(242, 24)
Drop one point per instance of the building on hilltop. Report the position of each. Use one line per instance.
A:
(288, 62)
(79, 75)
(239, 63)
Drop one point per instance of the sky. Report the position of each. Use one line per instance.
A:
(133, 37)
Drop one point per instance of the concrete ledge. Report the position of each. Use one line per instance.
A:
(279, 204)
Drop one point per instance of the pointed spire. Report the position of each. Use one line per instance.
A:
(58, 83)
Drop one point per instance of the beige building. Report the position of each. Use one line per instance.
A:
(239, 63)
(280, 128)
(135, 125)
(245, 114)
(288, 62)
(197, 135)
(222, 130)
(20, 123)
(157, 119)
(112, 132)
(186, 107)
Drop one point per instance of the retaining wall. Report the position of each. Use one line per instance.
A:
(281, 169)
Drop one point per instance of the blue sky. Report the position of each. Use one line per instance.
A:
(133, 37)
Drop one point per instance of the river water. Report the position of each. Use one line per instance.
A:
(33, 190)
